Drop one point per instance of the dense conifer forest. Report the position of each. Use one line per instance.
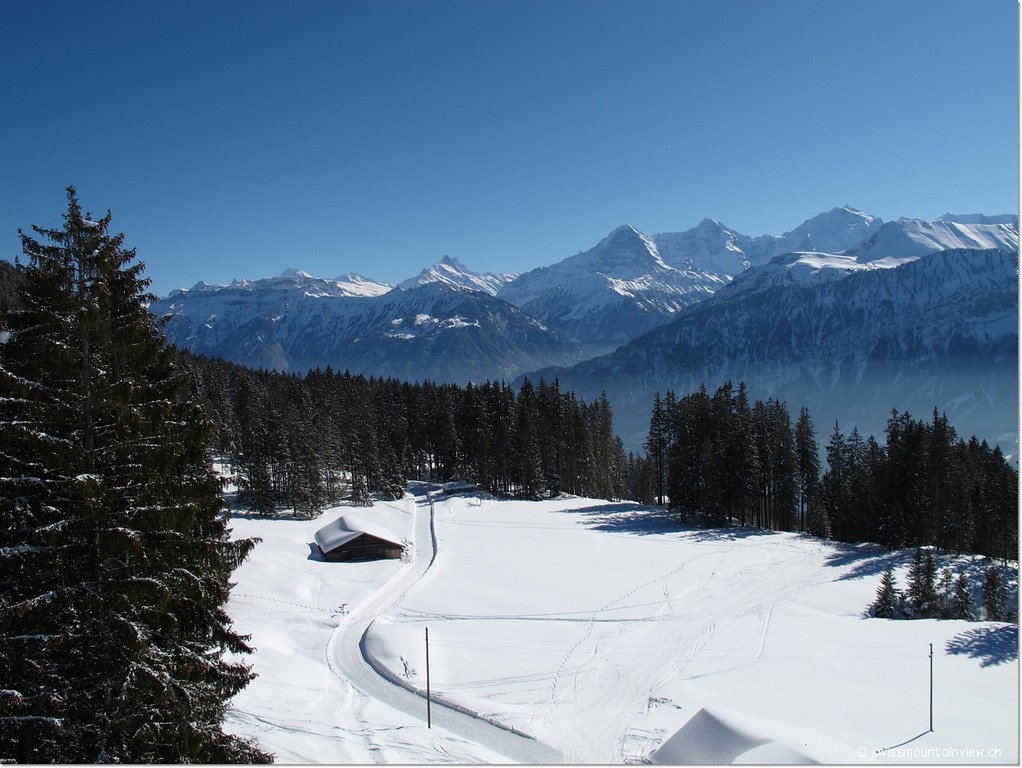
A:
(721, 460)
(302, 443)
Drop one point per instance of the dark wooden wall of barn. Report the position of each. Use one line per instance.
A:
(364, 547)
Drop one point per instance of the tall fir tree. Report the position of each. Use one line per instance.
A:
(116, 556)
(812, 515)
(961, 599)
(530, 480)
(921, 591)
(888, 599)
(995, 599)
(657, 444)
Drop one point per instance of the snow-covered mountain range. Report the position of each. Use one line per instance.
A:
(714, 247)
(850, 340)
(296, 322)
(805, 315)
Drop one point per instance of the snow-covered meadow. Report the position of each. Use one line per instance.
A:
(606, 633)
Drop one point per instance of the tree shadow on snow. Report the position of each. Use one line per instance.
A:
(866, 560)
(630, 517)
(991, 645)
(730, 533)
(642, 520)
(245, 514)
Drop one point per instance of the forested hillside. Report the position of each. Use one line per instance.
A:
(301, 443)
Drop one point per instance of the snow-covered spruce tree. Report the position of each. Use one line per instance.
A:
(393, 482)
(995, 598)
(115, 555)
(943, 593)
(921, 591)
(888, 600)
(961, 599)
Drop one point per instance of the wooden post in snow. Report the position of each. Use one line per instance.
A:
(429, 718)
(931, 687)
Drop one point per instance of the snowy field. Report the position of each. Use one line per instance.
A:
(604, 633)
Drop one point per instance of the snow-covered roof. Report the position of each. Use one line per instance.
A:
(345, 528)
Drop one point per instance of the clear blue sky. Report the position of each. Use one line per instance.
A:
(238, 138)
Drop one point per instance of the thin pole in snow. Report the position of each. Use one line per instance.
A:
(931, 687)
(429, 717)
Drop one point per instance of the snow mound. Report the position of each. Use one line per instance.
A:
(717, 736)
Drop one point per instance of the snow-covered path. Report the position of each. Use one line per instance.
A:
(349, 658)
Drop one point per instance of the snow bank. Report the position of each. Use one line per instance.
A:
(720, 736)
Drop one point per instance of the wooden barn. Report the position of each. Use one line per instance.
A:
(349, 540)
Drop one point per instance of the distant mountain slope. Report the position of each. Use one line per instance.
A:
(911, 238)
(610, 294)
(941, 330)
(296, 323)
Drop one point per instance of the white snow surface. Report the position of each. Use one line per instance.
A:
(604, 633)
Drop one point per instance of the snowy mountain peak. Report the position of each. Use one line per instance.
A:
(452, 272)
(710, 225)
(849, 209)
(832, 232)
(709, 246)
(354, 284)
(296, 273)
(453, 263)
(610, 293)
(625, 230)
(620, 252)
